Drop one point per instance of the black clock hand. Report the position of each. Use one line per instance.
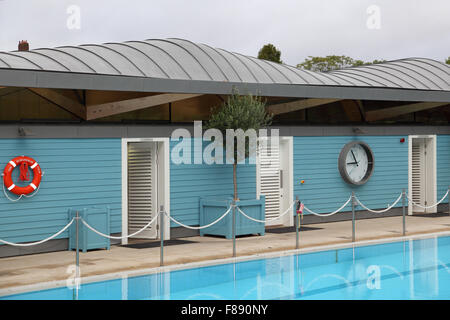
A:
(354, 158)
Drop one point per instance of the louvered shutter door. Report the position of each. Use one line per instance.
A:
(269, 175)
(418, 174)
(140, 189)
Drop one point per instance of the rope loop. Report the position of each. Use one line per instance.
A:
(331, 213)
(383, 210)
(123, 237)
(428, 207)
(38, 242)
(270, 219)
(202, 227)
(22, 195)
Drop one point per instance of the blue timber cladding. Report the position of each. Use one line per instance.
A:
(190, 182)
(87, 172)
(316, 162)
(443, 165)
(77, 173)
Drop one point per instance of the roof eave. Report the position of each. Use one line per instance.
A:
(85, 81)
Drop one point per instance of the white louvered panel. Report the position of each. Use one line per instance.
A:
(269, 175)
(417, 174)
(140, 189)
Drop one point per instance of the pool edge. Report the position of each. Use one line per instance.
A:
(134, 273)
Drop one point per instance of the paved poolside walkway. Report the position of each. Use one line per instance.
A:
(45, 267)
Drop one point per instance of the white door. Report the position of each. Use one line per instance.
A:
(422, 175)
(141, 190)
(274, 175)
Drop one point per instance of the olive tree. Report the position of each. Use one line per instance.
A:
(239, 112)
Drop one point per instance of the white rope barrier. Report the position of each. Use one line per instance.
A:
(202, 227)
(214, 222)
(427, 207)
(123, 237)
(380, 211)
(266, 220)
(331, 213)
(38, 242)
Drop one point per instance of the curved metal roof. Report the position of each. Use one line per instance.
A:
(178, 59)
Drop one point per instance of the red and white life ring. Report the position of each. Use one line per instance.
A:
(37, 175)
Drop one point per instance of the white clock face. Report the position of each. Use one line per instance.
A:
(357, 163)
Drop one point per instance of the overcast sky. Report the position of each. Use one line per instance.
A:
(363, 29)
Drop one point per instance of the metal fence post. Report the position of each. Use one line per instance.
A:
(161, 235)
(353, 216)
(77, 257)
(233, 228)
(404, 210)
(77, 260)
(448, 199)
(296, 223)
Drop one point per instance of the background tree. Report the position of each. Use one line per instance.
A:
(333, 62)
(239, 112)
(447, 61)
(270, 52)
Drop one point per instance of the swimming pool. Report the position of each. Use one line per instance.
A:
(411, 269)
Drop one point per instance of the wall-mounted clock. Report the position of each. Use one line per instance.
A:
(356, 162)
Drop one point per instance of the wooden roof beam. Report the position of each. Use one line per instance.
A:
(70, 105)
(298, 105)
(117, 107)
(353, 110)
(393, 112)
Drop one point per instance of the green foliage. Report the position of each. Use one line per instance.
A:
(447, 61)
(240, 112)
(270, 52)
(376, 61)
(330, 63)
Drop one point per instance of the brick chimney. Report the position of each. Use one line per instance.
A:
(23, 45)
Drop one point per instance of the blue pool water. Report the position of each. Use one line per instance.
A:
(412, 269)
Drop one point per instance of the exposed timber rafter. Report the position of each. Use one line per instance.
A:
(353, 110)
(79, 95)
(62, 101)
(112, 108)
(298, 105)
(222, 97)
(393, 112)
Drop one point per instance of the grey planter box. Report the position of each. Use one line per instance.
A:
(211, 210)
(97, 218)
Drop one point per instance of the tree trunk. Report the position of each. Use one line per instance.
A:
(235, 181)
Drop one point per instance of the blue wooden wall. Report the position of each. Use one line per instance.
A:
(87, 172)
(189, 182)
(443, 165)
(316, 162)
(77, 173)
